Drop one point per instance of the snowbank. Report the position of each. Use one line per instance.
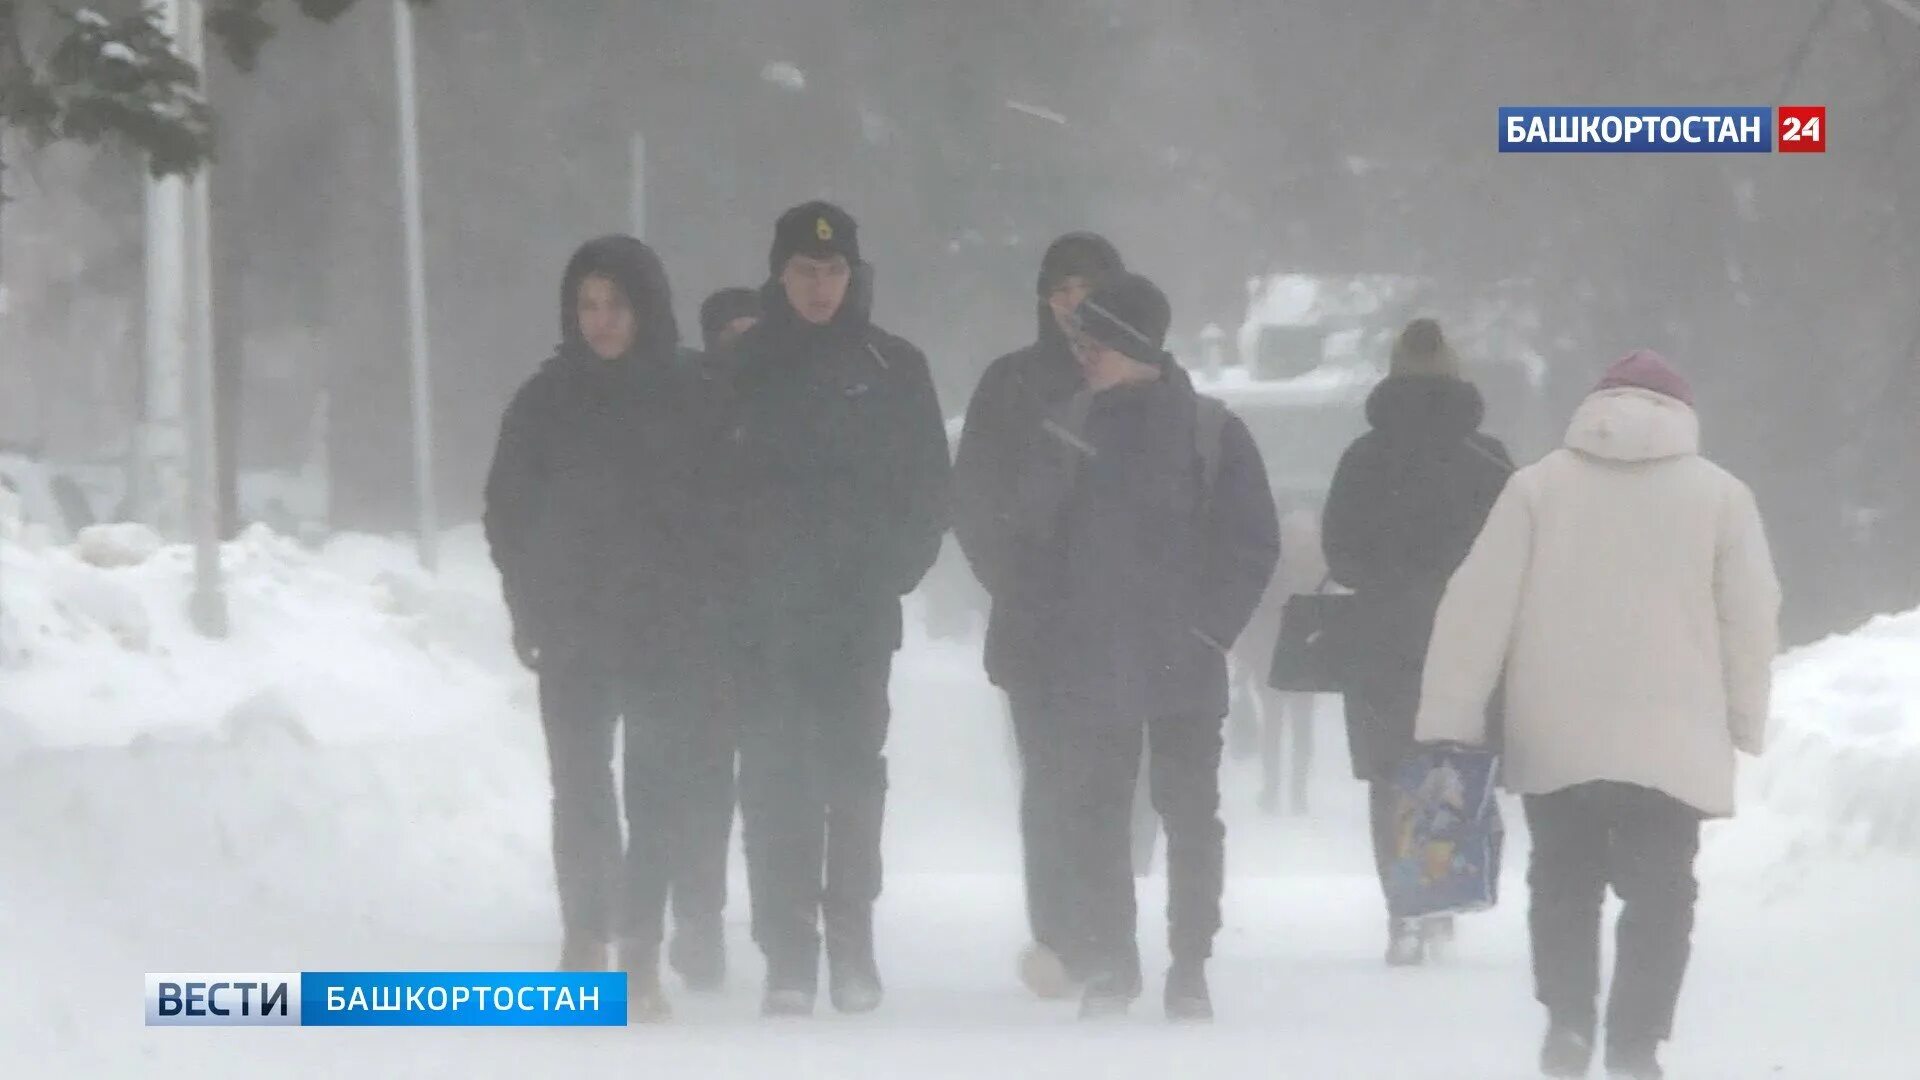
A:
(1845, 755)
(332, 646)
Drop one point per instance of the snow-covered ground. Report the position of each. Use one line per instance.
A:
(356, 780)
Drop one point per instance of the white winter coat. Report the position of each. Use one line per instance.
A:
(1624, 588)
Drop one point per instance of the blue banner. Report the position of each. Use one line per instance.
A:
(462, 999)
(1636, 129)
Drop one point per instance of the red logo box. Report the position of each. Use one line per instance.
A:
(1802, 129)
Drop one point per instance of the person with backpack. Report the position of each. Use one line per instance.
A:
(1624, 599)
(1148, 507)
(1406, 501)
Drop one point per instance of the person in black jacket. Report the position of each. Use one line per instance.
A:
(841, 478)
(1153, 548)
(594, 518)
(1407, 501)
(1003, 424)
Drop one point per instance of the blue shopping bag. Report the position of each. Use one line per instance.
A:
(1447, 833)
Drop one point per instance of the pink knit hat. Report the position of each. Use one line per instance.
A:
(1647, 370)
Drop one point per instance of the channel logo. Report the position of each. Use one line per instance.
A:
(223, 999)
(386, 999)
(1647, 129)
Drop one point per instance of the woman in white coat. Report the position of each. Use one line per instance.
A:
(1623, 595)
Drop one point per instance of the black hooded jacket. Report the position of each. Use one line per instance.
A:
(593, 506)
(839, 474)
(1407, 502)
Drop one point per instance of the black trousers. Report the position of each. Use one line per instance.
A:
(678, 780)
(1643, 843)
(680, 800)
(1044, 824)
(1101, 766)
(813, 782)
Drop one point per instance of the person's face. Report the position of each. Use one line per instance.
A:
(817, 287)
(731, 332)
(1104, 368)
(1066, 296)
(606, 318)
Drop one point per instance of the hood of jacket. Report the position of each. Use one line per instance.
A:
(1425, 408)
(638, 272)
(1632, 425)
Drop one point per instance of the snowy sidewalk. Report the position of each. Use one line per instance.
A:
(413, 834)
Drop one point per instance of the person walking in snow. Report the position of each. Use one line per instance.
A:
(1152, 534)
(840, 473)
(1018, 571)
(593, 518)
(1303, 570)
(1624, 599)
(1406, 501)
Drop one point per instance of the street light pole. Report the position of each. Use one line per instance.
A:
(208, 606)
(417, 354)
(157, 479)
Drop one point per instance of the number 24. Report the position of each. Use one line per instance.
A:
(1797, 129)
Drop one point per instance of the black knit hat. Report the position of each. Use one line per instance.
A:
(1079, 254)
(1130, 316)
(723, 307)
(817, 229)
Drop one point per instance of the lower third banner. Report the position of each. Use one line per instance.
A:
(462, 999)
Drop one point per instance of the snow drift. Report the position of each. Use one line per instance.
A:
(1845, 755)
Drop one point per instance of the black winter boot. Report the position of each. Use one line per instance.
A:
(699, 955)
(579, 954)
(853, 976)
(1187, 998)
(1567, 1052)
(793, 982)
(1634, 1061)
(1110, 994)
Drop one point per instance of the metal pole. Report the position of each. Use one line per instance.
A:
(416, 281)
(637, 172)
(209, 605)
(157, 480)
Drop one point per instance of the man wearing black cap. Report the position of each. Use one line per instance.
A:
(1149, 507)
(842, 479)
(1003, 421)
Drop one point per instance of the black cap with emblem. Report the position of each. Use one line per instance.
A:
(819, 230)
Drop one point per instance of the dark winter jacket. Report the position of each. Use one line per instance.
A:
(1153, 573)
(1406, 503)
(1003, 432)
(593, 504)
(839, 480)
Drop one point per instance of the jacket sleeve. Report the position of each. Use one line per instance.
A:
(1242, 540)
(513, 484)
(923, 477)
(1746, 593)
(983, 481)
(1474, 629)
(1347, 530)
